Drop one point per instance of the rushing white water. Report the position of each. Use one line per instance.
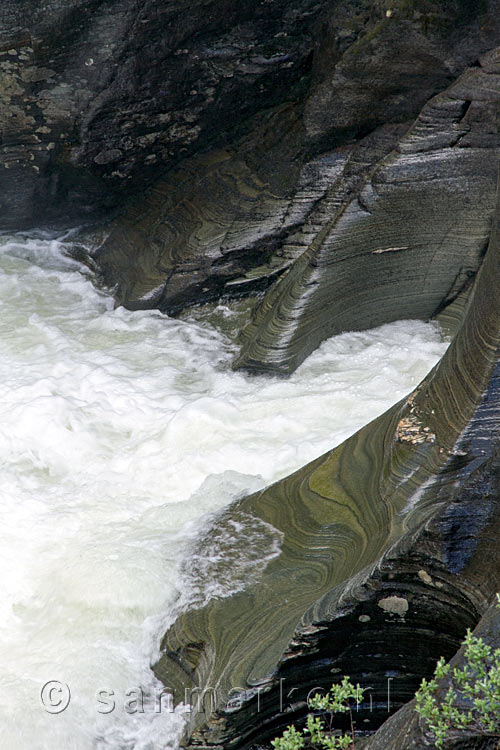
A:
(119, 431)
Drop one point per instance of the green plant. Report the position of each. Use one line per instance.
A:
(340, 699)
(472, 701)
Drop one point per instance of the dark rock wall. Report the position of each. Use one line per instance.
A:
(380, 62)
(214, 224)
(247, 145)
(393, 238)
(100, 98)
(391, 227)
(405, 731)
(381, 225)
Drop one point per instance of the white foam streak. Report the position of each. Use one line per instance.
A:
(118, 432)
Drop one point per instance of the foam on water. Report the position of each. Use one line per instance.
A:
(119, 432)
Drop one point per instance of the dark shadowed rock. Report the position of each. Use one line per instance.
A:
(386, 71)
(248, 146)
(215, 222)
(406, 731)
(100, 99)
(215, 226)
(357, 237)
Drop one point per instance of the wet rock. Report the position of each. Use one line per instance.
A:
(357, 237)
(397, 239)
(406, 731)
(382, 557)
(212, 228)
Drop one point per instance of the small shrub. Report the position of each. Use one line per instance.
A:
(472, 702)
(340, 699)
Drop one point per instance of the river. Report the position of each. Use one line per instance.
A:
(119, 432)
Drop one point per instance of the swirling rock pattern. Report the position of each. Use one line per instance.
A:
(214, 224)
(398, 240)
(101, 98)
(381, 537)
(344, 234)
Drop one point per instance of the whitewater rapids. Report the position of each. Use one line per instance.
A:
(119, 432)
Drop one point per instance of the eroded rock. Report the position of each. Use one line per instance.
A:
(401, 241)
(358, 526)
(118, 82)
(406, 731)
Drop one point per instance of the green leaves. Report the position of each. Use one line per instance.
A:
(340, 699)
(291, 740)
(472, 701)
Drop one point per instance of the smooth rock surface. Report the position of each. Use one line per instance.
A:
(213, 225)
(340, 238)
(394, 525)
(347, 227)
(400, 240)
(99, 100)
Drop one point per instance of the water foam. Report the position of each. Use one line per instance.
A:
(119, 431)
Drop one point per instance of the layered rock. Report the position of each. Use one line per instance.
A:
(405, 731)
(99, 100)
(382, 549)
(213, 225)
(356, 237)
(276, 138)
(395, 240)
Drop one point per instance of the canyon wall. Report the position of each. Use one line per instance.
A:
(387, 553)
(338, 159)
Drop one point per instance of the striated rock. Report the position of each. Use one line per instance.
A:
(100, 100)
(347, 227)
(405, 730)
(389, 65)
(214, 225)
(397, 240)
(382, 544)
(254, 145)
